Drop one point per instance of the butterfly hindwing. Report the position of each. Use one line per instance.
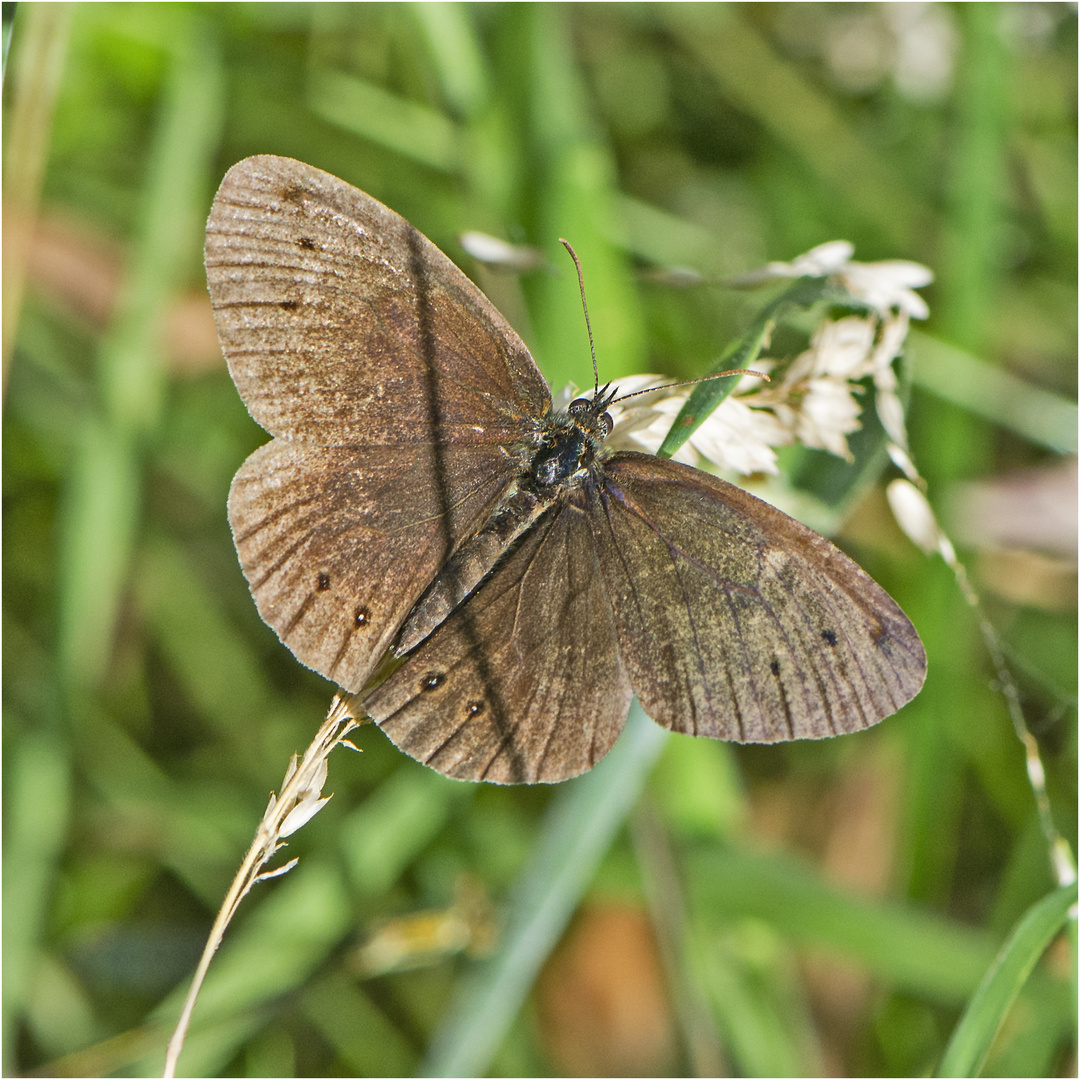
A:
(337, 543)
(523, 682)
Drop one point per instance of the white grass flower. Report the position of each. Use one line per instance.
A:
(890, 410)
(823, 417)
(914, 515)
(638, 422)
(741, 438)
(821, 261)
(888, 286)
(815, 399)
(733, 437)
(839, 348)
(885, 286)
(642, 422)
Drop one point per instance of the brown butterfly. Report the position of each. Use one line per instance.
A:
(421, 496)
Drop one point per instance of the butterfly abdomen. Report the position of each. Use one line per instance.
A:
(469, 565)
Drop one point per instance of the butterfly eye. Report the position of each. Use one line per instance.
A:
(608, 424)
(578, 406)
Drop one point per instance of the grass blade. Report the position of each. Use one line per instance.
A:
(974, 1035)
(577, 829)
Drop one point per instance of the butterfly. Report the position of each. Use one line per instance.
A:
(420, 498)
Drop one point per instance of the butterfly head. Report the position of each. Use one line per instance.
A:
(591, 415)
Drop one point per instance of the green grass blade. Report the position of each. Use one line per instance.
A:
(104, 495)
(389, 829)
(406, 127)
(575, 197)
(577, 829)
(750, 979)
(37, 800)
(1039, 415)
(734, 54)
(909, 947)
(707, 396)
(974, 1035)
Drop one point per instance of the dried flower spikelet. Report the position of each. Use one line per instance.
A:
(741, 438)
(301, 791)
(914, 515)
(308, 801)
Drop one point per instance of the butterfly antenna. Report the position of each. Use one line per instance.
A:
(693, 382)
(585, 308)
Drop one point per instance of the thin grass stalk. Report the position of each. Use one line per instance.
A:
(298, 802)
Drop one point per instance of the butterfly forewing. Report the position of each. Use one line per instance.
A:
(342, 324)
(736, 621)
(523, 683)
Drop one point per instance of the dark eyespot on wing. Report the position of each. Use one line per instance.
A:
(292, 192)
(828, 636)
(307, 243)
(322, 581)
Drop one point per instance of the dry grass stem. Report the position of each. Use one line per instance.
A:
(913, 513)
(300, 800)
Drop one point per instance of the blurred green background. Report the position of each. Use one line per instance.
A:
(810, 909)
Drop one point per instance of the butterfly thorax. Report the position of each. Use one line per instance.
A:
(571, 442)
(571, 445)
